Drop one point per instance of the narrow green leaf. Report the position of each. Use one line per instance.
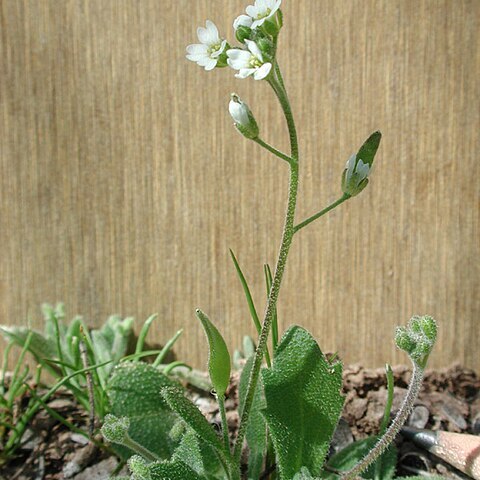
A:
(249, 298)
(219, 365)
(168, 346)
(143, 333)
(248, 295)
(191, 415)
(304, 403)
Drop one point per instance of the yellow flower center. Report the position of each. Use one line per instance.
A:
(266, 14)
(254, 62)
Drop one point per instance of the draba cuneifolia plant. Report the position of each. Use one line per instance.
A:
(290, 396)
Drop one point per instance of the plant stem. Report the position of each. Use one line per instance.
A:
(273, 150)
(322, 212)
(287, 237)
(223, 415)
(394, 429)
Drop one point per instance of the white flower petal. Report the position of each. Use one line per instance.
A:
(253, 47)
(262, 72)
(350, 166)
(210, 64)
(217, 53)
(252, 11)
(242, 20)
(239, 112)
(245, 72)
(196, 57)
(208, 36)
(238, 59)
(197, 48)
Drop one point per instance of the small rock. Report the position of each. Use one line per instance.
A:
(80, 460)
(99, 471)
(80, 439)
(419, 417)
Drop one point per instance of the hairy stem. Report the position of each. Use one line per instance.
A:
(338, 202)
(223, 415)
(287, 237)
(273, 150)
(388, 437)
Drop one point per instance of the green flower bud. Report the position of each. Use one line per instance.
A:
(417, 339)
(403, 340)
(139, 468)
(243, 33)
(266, 47)
(243, 118)
(271, 27)
(115, 429)
(359, 166)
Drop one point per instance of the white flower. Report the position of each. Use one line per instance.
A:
(257, 14)
(207, 52)
(248, 62)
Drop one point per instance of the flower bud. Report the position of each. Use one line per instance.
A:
(359, 166)
(417, 339)
(271, 27)
(243, 118)
(115, 429)
(266, 46)
(139, 468)
(243, 33)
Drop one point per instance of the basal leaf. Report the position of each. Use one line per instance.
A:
(191, 415)
(219, 364)
(302, 392)
(353, 453)
(134, 392)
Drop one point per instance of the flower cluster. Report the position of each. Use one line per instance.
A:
(254, 30)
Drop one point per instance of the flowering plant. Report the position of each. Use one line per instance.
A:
(290, 398)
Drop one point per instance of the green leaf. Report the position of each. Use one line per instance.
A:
(256, 434)
(303, 474)
(174, 470)
(303, 397)
(191, 415)
(219, 359)
(134, 392)
(248, 295)
(189, 452)
(369, 148)
(40, 347)
(383, 467)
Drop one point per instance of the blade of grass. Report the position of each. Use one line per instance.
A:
(168, 346)
(251, 305)
(136, 356)
(168, 369)
(28, 415)
(386, 416)
(144, 332)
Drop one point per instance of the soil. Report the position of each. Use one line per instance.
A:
(449, 400)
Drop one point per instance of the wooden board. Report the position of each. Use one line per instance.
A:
(123, 182)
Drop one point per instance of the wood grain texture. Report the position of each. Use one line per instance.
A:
(123, 182)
